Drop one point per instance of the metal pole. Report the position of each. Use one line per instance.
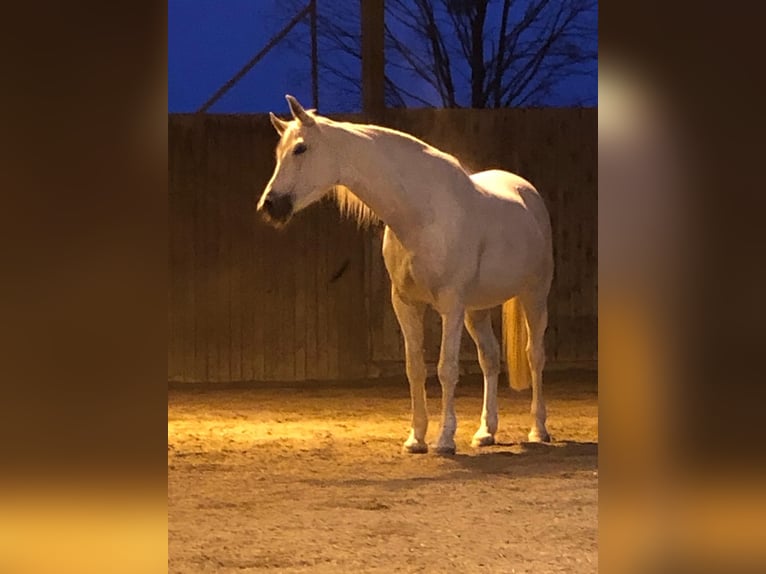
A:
(314, 55)
(247, 67)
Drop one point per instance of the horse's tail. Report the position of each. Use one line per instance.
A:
(515, 341)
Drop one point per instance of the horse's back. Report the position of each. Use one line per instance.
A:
(512, 188)
(500, 183)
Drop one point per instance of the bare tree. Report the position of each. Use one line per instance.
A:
(452, 53)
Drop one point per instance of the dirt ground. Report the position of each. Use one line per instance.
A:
(311, 478)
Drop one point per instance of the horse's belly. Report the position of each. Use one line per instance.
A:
(494, 291)
(503, 273)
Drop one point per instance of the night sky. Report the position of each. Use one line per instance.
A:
(208, 42)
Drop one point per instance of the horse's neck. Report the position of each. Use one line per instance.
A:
(395, 178)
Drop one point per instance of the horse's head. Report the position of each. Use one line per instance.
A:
(306, 167)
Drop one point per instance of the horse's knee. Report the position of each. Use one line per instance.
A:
(536, 357)
(489, 359)
(416, 371)
(448, 372)
(536, 351)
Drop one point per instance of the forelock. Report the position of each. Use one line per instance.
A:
(289, 137)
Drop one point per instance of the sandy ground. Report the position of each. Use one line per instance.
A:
(310, 478)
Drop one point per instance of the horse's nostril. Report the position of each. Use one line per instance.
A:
(277, 208)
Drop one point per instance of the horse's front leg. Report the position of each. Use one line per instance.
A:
(449, 370)
(410, 317)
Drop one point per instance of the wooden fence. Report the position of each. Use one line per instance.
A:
(311, 301)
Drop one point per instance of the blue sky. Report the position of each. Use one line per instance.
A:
(210, 40)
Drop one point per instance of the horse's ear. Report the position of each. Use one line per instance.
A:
(278, 124)
(298, 112)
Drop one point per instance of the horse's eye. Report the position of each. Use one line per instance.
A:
(299, 148)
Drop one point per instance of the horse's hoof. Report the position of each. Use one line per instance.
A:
(480, 440)
(537, 436)
(415, 448)
(445, 450)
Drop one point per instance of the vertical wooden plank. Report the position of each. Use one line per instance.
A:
(200, 178)
(300, 310)
(175, 359)
(579, 307)
(219, 316)
(556, 190)
(340, 275)
(183, 216)
(335, 309)
(175, 253)
(269, 309)
(286, 298)
(188, 279)
(323, 318)
(341, 303)
(573, 225)
(356, 284)
(309, 221)
(370, 262)
(276, 325)
(192, 363)
(565, 212)
(589, 174)
(247, 293)
(252, 272)
(349, 285)
(236, 244)
(210, 269)
(226, 264)
(203, 264)
(334, 306)
(320, 362)
(369, 358)
(246, 307)
(259, 300)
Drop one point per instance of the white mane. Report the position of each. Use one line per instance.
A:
(353, 208)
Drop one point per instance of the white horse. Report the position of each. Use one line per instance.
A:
(458, 242)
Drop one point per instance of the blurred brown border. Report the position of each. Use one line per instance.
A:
(83, 180)
(681, 307)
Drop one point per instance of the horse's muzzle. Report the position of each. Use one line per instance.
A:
(277, 209)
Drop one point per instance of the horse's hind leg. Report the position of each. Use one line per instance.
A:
(536, 310)
(449, 372)
(410, 317)
(479, 325)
